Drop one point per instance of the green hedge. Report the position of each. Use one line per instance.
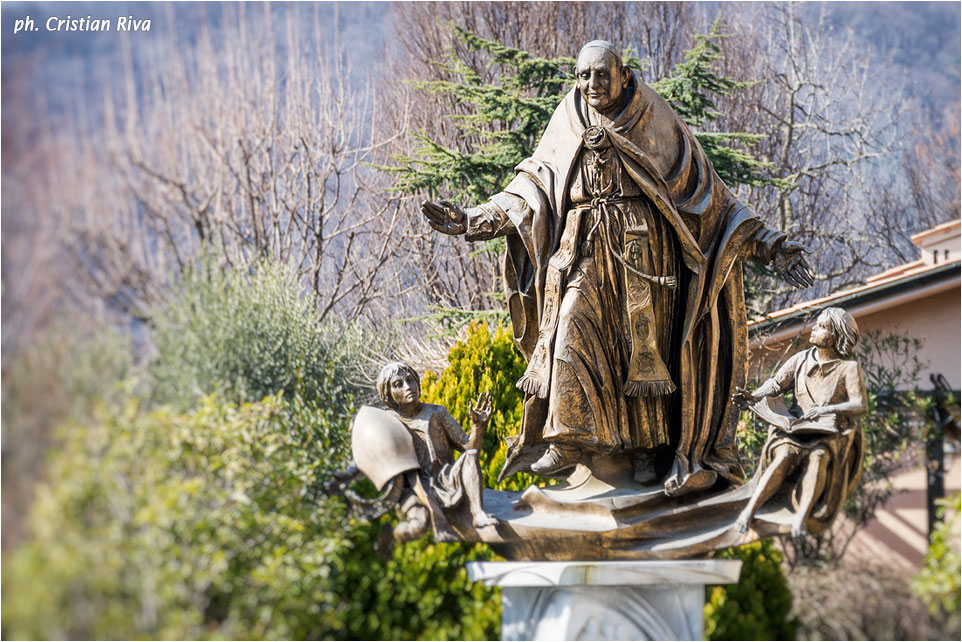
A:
(758, 607)
(484, 360)
(209, 521)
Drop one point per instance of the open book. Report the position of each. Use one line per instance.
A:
(780, 418)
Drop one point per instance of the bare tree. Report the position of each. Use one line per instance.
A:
(832, 122)
(255, 140)
(931, 167)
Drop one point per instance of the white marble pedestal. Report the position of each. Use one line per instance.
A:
(643, 600)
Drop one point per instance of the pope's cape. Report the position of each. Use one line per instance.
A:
(713, 231)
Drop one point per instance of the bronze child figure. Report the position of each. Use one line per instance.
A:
(824, 443)
(440, 482)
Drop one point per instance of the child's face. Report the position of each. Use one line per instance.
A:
(404, 389)
(822, 334)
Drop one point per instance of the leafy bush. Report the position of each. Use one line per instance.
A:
(70, 363)
(485, 360)
(170, 525)
(421, 593)
(939, 582)
(247, 336)
(211, 524)
(758, 607)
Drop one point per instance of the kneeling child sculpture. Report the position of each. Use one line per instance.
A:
(409, 450)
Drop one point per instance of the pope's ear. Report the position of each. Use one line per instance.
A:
(625, 74)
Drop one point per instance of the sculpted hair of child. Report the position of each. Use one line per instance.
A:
(844, 328)
(388, 372)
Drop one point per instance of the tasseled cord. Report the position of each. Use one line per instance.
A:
(649, 388)
(533, 385)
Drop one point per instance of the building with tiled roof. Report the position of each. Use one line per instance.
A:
(920, 299)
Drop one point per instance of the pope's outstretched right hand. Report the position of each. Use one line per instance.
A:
(447, 217)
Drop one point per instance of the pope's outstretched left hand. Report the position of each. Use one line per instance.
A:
(791, 264)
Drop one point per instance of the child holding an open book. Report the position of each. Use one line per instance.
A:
(820, 451)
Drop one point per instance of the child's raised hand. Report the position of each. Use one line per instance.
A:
(480, 412)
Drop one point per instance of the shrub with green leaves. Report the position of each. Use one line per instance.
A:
(485, 360)
(246, 335)
(758, 607)
(169, 525)
(212, 524)
(939, 584)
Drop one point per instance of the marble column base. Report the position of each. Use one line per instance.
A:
(641, 600)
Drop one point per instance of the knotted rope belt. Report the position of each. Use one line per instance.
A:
(647, 374)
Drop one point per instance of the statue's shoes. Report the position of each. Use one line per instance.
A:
(698, 480)
(555, 459)
(643, 469)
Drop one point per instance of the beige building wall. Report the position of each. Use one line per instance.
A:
(899, 532)
(934, 318)
(936, 321)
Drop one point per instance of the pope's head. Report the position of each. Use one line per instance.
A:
(602, 78)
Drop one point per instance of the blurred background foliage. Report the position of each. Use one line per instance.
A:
(940, 582)
(203, 516)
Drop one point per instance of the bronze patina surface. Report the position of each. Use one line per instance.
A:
(623, 281)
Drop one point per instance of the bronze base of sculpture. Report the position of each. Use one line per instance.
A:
(587, 518)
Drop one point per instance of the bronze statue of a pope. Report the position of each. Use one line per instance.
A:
(623, 282)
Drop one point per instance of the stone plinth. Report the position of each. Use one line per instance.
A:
(631, 600)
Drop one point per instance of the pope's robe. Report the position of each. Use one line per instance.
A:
(628, 303)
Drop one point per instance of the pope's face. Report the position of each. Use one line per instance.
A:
(601, 79)
(405, 389)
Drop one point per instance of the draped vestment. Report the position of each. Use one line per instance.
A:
(624, 286)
